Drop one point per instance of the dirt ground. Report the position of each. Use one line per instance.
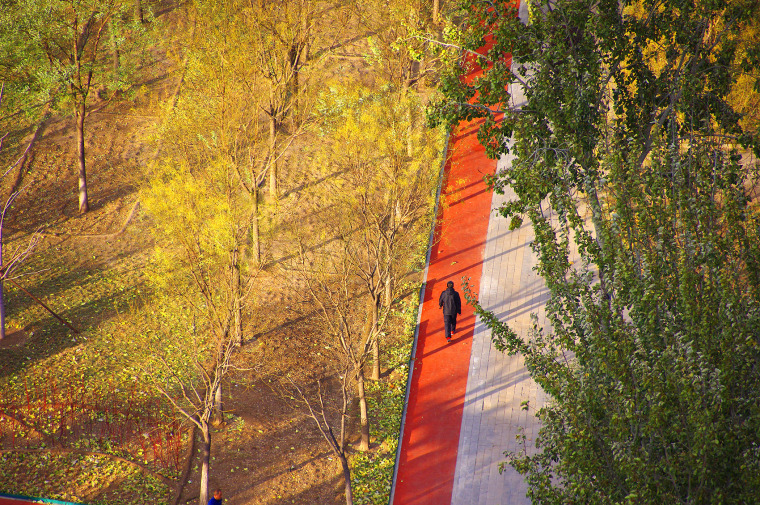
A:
(276, 454)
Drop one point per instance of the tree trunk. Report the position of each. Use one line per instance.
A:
(294, 56)
(272, 157)
(2, 276)
(205, 460)
(84, 205)
(410, 128)
(389, 289)
(375, 360)
(364, 421)
(304, 35)
(218, 407)
(139, 11)
(298, 55)
(395, 213)
(598, 223)
(436, 11)
(2, 311)
(255, 238)
(237, 304)
(114, 46)
(346, 478)
(375, 376)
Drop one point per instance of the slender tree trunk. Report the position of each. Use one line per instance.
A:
(255, 238)
(84, 205)
(436, 11)
(237, 293)
(294, 56)
(343, 411)
(139, 11)
(305, 21)
(410, 130)
(389, 288)
(115, 63)
(395, 213)
(205, 461)
(218, 406)
(298, 55)
(375, 360)
(597, 221)
(272, 156)
(376, 342)
(2, 310)
(346, 477)
(2, 287)
(363, 419)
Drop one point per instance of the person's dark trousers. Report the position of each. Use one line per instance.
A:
(449, 325)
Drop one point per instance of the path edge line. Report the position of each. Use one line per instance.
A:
(413, 353)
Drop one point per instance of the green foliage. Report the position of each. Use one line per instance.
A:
(397, 47)
(371, 475)
(54, 51)
(633, 168)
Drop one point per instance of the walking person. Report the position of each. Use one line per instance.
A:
(451, 304)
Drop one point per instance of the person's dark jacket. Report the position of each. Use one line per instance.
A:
(450, 302)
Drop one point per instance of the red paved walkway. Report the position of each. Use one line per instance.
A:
(428, 452)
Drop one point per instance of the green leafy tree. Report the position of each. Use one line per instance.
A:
(394, 50)
(631, 156)
(55, 53)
